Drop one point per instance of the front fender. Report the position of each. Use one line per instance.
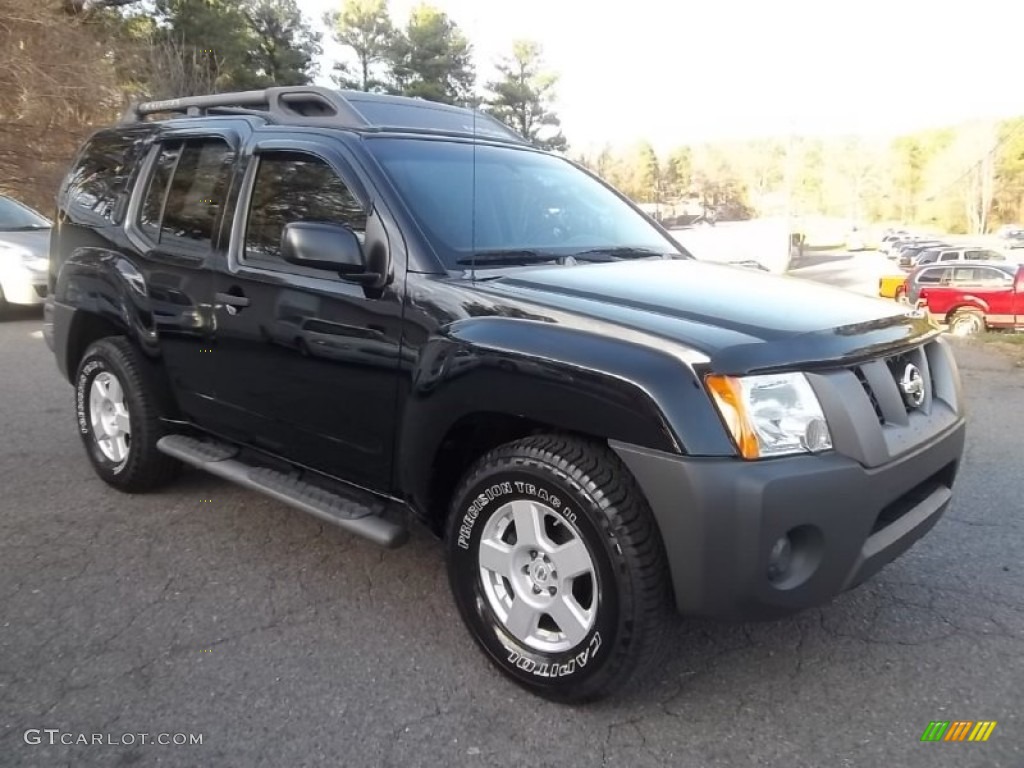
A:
(565, 378)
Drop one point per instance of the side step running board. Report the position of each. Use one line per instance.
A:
(350, 513)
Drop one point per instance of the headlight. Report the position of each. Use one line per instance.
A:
(771, 415)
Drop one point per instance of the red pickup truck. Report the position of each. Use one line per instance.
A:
(975, 297)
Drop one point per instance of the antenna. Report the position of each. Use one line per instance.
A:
(472, 225)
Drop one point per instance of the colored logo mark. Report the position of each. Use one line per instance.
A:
(958, 730)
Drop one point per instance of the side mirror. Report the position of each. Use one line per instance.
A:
(320, 245)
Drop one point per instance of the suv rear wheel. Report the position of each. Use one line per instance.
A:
(558, 568)
(118, 408)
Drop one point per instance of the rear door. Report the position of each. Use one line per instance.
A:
(174, 221)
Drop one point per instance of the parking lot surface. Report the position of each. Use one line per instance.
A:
(205, 609)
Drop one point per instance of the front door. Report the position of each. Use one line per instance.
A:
(307, 362)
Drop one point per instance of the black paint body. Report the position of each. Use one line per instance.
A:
(366, 383)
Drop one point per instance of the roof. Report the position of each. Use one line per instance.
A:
(308, 105)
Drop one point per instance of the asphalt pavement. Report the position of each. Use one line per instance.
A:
(208, 610)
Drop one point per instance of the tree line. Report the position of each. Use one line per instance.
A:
(966, 178)
(67, 66)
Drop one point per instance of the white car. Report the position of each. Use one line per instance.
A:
(24, 254)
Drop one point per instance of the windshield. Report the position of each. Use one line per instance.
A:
(527, 204)
(15, 216)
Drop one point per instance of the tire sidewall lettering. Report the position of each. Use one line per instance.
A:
(482, 501)
(92, 367)
(85, 377)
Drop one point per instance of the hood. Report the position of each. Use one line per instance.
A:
(741, 319)
(35, 240)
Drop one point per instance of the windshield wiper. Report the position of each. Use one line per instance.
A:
(522, 257)
(627, 252)
(510, 258)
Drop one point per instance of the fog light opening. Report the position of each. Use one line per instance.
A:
(795, 556)
(780, 559)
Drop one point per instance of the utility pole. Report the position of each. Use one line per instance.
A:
(789, 173)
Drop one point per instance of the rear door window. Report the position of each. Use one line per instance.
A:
(949, 256)
(182, 207)
(932, 276)
(965, 276)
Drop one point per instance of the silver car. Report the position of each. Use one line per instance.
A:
(24, 254)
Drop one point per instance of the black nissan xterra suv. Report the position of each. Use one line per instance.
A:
(379, 309)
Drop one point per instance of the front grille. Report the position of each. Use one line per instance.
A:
(870, 393)
(867, 411)
(881, 378)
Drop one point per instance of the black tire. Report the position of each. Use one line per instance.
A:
(629, 591)
(143, 468)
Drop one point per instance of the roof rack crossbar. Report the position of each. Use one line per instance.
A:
(277, 103)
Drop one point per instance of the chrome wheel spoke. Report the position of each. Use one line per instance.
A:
(572, 559)
(522, 619)
(529, 525)
(119, 447)
(109, 417)
(496, 556)
(570, 618)
(122, 420)
(114, 391)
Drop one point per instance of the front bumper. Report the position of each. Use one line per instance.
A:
(719, 519)
(846, 513)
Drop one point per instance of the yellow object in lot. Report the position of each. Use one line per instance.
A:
(888, 285)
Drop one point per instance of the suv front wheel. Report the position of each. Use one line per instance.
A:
(558, 568)
(118, 407)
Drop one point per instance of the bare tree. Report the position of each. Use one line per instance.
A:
(56, 83)
(177, 69)
(979, 188)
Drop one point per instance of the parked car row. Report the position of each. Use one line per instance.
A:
(966, 298)
(1012, 236)
(915, 257)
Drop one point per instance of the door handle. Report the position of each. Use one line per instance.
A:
(231, 299)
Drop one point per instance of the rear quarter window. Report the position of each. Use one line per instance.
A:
(95, 191)
(933, 276)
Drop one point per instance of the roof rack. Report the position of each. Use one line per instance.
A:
(311, 105)
(302, 104)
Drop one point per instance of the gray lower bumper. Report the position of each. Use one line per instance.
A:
(719, 519)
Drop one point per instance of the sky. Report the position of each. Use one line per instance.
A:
(675, 73)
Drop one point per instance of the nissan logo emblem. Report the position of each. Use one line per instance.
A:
(912, 386)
